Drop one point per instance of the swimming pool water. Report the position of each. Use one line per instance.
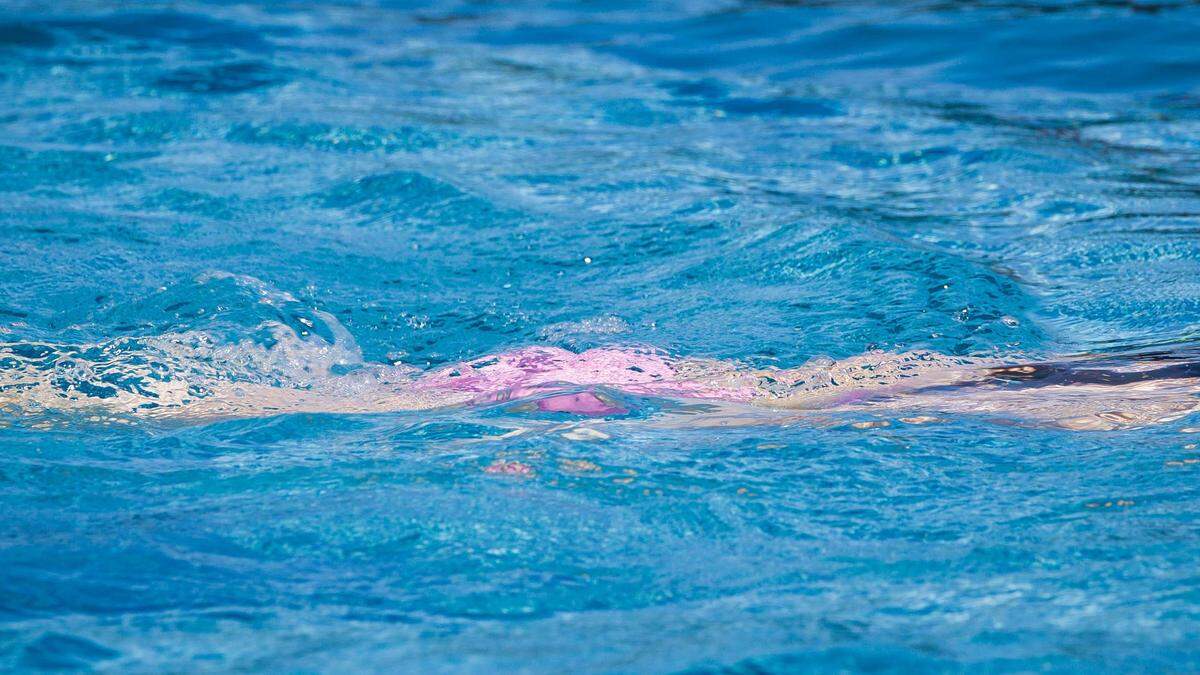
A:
(763, 182)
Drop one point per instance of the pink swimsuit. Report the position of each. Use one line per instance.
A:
(533, 370)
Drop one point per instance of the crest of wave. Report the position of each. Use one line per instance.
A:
(237, 334)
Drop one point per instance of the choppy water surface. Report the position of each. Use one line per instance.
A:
(333, 188)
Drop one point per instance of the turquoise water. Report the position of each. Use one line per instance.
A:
(761, 182)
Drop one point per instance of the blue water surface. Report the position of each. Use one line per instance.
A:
(766, 182)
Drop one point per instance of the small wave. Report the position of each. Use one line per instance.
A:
(254, 337)
(574, 333)
(224, 78)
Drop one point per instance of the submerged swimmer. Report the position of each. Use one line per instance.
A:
(1082, 393)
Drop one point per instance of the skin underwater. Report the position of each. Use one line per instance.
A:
(178, 379)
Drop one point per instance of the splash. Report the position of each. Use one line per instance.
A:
(287, 352)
